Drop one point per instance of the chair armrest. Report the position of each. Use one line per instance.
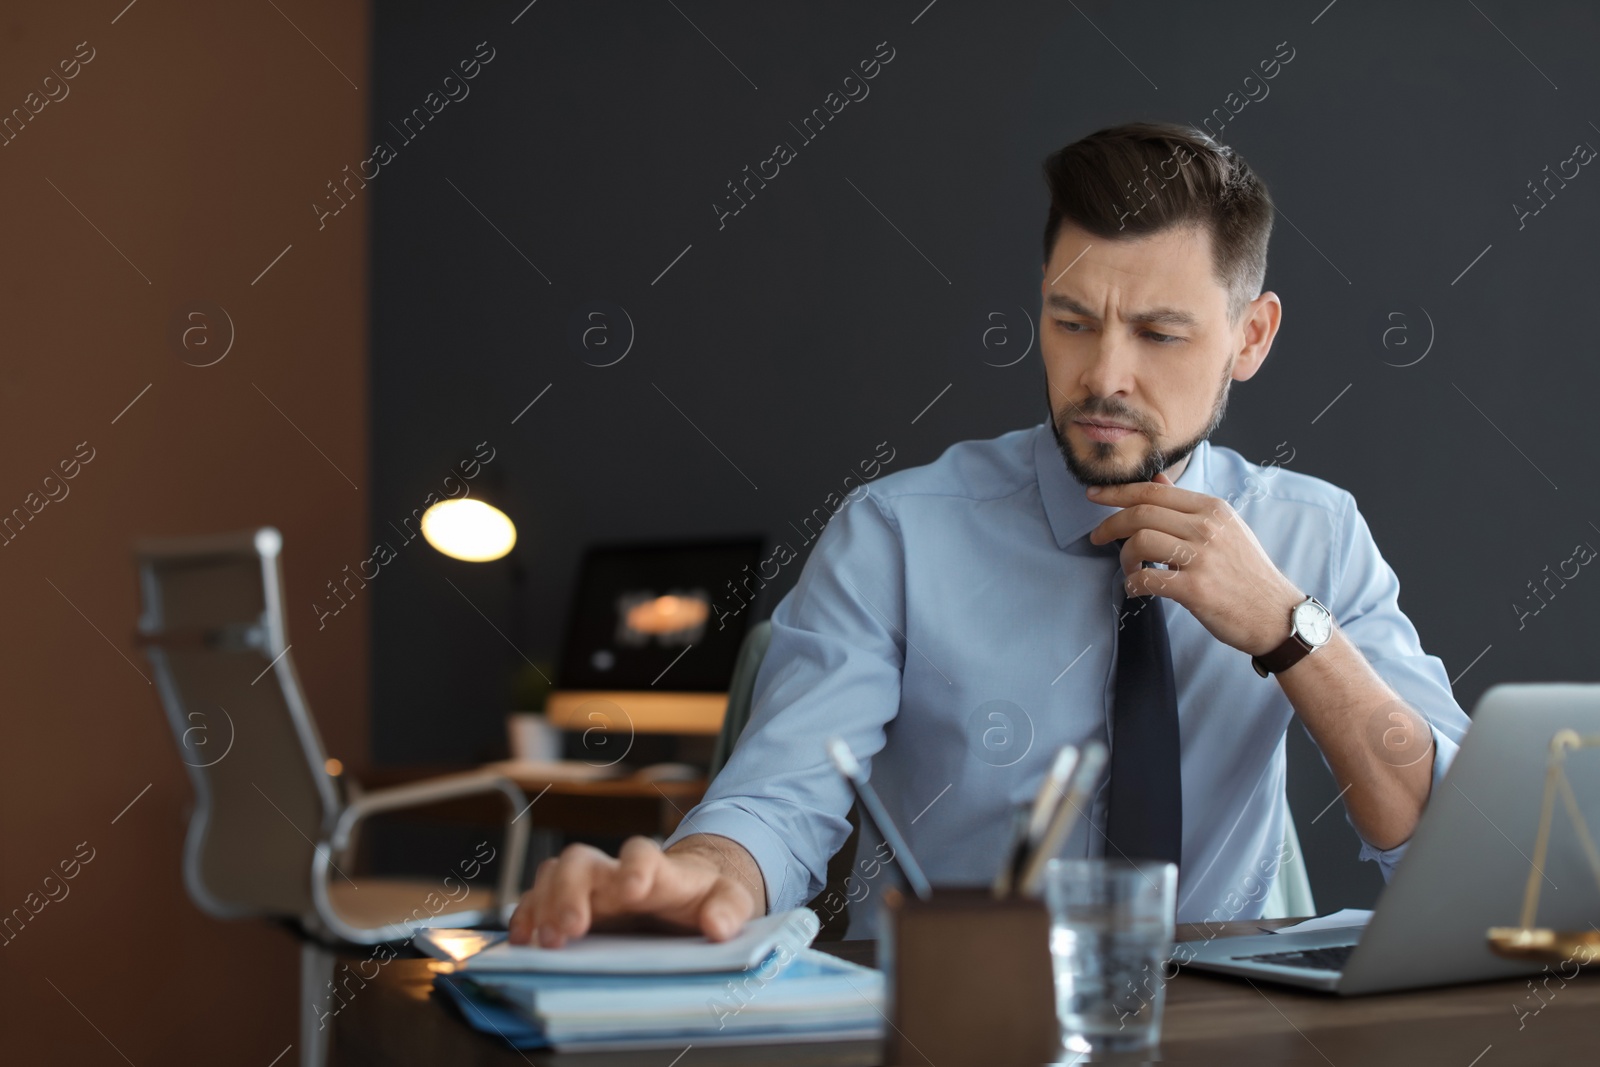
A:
(447, 787)
(419, 794)
(349, 790)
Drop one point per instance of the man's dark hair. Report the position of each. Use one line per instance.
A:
(1142, 178)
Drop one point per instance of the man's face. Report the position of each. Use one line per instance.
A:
(1138, 351)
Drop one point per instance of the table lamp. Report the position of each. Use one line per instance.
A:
(472, 528)
(476, 527)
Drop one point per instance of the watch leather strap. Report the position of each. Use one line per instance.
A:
(1280, 659)
(1293, 649)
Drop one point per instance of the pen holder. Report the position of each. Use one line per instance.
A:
(969, 978)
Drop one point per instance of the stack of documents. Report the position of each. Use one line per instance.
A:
(610, 991)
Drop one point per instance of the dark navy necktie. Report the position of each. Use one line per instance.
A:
(1145, 817)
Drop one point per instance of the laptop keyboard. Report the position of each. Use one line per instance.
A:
(1331, 958)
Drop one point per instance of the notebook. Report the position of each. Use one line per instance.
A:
(632, 991)
(626, 954)
(787, 997)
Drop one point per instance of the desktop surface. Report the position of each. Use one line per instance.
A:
(396, 1021)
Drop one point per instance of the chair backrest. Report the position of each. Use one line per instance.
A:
(740, 692)
(213, 629)
(1290, 895)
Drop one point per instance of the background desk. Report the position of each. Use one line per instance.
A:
(394, 1022)
(613, 806)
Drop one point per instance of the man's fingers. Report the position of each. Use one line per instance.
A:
(1157, 547)
(1136, 517)
(564, 911)
(526, 916)
(539, 895)
(638, 863)
(725, 909)
(584, 886)
(1127, 494)
(520, 928)
(561, 904)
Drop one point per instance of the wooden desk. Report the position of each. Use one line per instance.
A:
(395, 1022)
(615, 806)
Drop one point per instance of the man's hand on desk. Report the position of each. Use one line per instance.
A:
(704, 882)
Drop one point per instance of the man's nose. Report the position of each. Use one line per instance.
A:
(1112, 362)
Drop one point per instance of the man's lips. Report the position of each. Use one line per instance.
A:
(1097, 430)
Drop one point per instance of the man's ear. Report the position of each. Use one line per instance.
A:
(1261, 319)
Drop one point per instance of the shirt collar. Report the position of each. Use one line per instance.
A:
(1072, 514)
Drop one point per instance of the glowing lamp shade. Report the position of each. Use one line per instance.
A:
(468, 529)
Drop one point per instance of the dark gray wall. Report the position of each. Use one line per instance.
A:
(783, 344)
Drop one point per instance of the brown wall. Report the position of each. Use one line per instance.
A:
(195, 140)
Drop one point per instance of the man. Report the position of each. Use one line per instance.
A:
(964, 619)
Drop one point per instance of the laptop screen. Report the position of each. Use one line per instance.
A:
(660, 616)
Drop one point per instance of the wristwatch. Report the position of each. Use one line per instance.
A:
(1310, 627)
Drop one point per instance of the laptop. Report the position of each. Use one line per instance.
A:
(1466, 868)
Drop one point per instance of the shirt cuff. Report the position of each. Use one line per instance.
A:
(727, 818)
(1444, 753)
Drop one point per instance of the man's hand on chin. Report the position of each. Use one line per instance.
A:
(1223, 576)
(1218, 570)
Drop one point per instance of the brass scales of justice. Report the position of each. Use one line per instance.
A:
(1527, 942)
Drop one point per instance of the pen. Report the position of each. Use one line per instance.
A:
(1031, 824)
(1015, 854)
(845, 762)
(1084, 780)
(1050, 792)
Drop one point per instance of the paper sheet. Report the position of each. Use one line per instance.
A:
(656, 953)
(1354, 917)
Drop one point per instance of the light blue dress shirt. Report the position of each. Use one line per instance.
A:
(955, 626)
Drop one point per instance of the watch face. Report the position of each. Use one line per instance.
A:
(1313, 622)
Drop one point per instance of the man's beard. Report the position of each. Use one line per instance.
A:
(1098, 471)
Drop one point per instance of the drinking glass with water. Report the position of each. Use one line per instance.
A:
(1111, 930)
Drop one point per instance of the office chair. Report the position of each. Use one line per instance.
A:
(1289, 896)
(272, 833)
(740, 691)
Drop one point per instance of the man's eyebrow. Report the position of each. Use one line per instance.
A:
(1160, 316)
